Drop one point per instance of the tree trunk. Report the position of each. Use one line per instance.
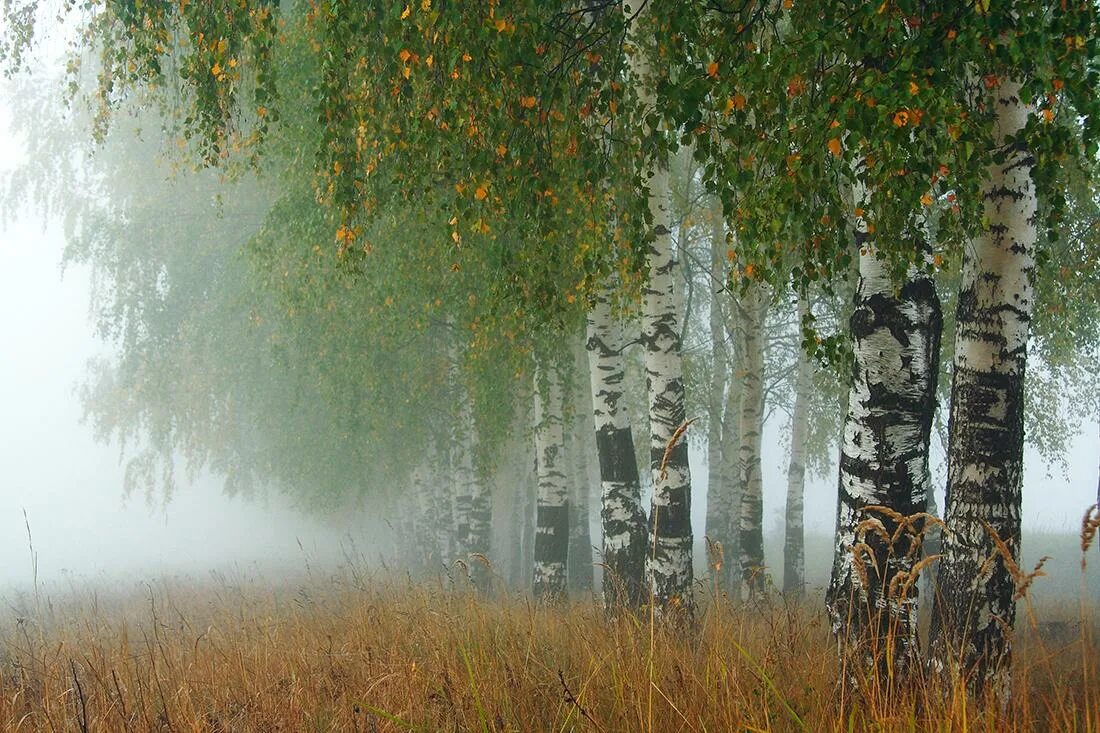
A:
(624, 522)
(462, 464)
(730, 578)
(884, 468)
(720, 483)
(976, 609)
(751, 514)
(477, 537)
(581, 567)
(552, 508)
(443, 512)
(794, 541)
(669, 559)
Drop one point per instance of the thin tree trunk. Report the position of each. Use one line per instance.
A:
(477, 537)
(669, 560)
(462, 476)
(731, 460)
(794, 541)
(976, 609)
(720, 484)
(443, 498)
(580, 436)
(751, 514)
(552, 508)
(624, 522)
(883, 484)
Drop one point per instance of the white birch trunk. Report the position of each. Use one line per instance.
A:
(442, 490)
(621, 514)
(720, 483)
(794, 541)
(884, 463)
(730, 578)
(552, 507)
(477, 534)
(975, 610)
(669, 560)
(581, 438)
(751, 511)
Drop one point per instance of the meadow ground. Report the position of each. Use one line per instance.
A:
(344, 652)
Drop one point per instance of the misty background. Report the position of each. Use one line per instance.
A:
(85, 527)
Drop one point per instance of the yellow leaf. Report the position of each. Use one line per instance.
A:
(216, 69)
(501, 150)
(405, 12)
(481, 193)
(926, 200)
(913, 88)
(425, 5)
(835, 147)
(404, 55)
(527, 102)
(712, 69)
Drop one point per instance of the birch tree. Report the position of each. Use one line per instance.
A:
(723, 478)
(884, 467)
(976, 604)
(622, 517)
(794, 541)
(669, 560)
(552, 507)
(752, 309)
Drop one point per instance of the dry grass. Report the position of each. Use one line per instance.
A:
(341, 653)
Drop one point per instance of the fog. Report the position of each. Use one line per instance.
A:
(68, 488)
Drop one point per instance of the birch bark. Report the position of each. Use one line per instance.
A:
(975, 610)
(721, 482)
(621, 514)
(794, 542)
(884, 467)
(552, 507)
(669, 559)
(751, 510)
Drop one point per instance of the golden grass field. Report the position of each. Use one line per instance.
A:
(348, 653)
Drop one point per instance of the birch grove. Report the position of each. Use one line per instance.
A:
(503, 171)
